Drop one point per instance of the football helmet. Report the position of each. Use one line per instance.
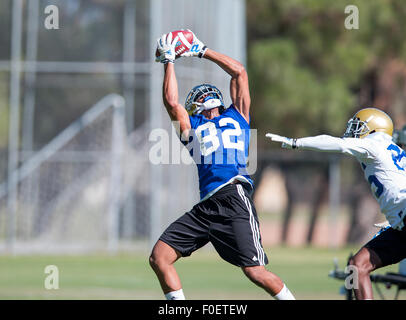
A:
(212, 98)
(367, 121)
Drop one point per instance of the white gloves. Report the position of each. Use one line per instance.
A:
(198, 48)
(287, 143)
(166, 48)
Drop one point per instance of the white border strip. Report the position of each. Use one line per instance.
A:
(184, 40)
(254, 226)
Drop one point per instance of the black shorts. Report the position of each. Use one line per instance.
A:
(389, 245)
(228, 220)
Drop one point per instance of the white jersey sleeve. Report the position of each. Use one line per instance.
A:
(362, 149)
(383, 163)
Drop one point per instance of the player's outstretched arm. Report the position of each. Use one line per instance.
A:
(325, 143)
(170, 94)
(239, 86)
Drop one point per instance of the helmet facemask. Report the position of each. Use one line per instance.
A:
(356, 128)
(204, 97)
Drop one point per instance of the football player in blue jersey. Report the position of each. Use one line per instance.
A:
(225, 215)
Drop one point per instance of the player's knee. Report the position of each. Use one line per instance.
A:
(361, 264)
(255, 274)
(154, 261)
(158, 261)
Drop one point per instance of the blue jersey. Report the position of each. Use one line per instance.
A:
(219, 148)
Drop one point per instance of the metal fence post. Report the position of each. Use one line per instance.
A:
(30, 79)
(334, 198)
(14, 123)
(155, 106)
(129, 96)
(117, 141)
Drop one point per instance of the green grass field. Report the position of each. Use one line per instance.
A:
(204, 276)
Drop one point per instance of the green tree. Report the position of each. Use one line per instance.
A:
(308, 72)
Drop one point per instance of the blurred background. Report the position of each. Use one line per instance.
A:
(79, 103)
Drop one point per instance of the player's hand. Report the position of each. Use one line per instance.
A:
(166, 48)
(198, 49)
(287, 143)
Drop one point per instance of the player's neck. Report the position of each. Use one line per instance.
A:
(212, 113)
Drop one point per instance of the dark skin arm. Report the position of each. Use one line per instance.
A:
(239, 85)
(170, 95)
(239, 89)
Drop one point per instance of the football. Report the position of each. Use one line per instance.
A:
(184, 43)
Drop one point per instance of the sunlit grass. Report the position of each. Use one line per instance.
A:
(204, 276)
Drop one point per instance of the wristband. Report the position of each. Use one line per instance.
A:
(165, 61)
(202, 52)
(294, 146)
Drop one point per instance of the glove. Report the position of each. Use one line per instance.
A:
(166, 48)
(198, 49)
(287, 143)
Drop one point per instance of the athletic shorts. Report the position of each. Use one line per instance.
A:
(228, 220)
(389, 245)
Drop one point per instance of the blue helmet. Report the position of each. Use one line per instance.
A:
(212, 98)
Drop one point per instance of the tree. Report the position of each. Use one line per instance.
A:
(308, 72)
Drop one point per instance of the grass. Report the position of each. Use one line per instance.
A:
(204, 276)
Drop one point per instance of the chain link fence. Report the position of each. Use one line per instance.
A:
(51, 78)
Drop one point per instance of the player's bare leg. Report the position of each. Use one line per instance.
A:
(269, 281)
(161, 261)
(366, 261)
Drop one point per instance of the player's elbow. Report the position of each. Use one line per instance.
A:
(240, 72)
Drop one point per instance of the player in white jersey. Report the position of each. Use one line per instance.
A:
(368, 138)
